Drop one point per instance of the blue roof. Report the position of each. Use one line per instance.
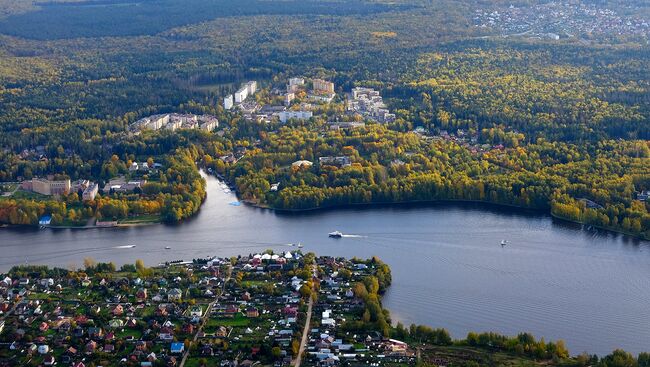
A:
(177, 347)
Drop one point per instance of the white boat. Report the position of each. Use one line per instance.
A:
(125, 246)
(167, 248)
(336, 234)
(300, 245)
(504, 242)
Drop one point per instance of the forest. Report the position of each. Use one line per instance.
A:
(558, 126)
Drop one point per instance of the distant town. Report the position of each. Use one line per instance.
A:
(560, 19)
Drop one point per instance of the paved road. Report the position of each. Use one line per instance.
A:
(305, 331)
(204, 318)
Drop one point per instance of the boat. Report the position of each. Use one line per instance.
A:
(167, 248)
(125, 246)
(336, 234)
(504, 242)
(300, 245)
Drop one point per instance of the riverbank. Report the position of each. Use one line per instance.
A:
(131, 222)
(147, 221)
(441, 201)
(594, 226)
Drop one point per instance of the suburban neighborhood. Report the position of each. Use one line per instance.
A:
(267, 309)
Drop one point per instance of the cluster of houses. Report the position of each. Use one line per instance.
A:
(239, 311)
(321, 91)
(340, 162)
(174, 121)
(461, 137)
(56, 187)
(78, 321)
(328, 345)
(370, 104)
(563, 19)
(121, 185)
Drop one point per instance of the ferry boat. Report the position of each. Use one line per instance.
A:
(336, 234)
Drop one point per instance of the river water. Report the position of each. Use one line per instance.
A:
(590, 288)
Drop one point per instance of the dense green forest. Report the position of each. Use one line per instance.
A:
(556, 125)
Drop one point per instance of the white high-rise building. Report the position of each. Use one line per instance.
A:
(241, 94)
(228, 102)
(252, 87)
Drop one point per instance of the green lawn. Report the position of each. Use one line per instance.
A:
(213, 323)
(120, 334)
(149, 218)
(7, 187)
(21, 194)
(250, 283)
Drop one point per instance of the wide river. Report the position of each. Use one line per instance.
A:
(590, 288)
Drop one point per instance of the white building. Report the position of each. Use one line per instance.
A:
(369, 103)
(241, 94)
(296, 81)
(174, 125)
(228, 102)
(252, 87)
(210, 124)
(327, 98)
(156, 122)
(299, 115)
(90, 192)
(246, 90)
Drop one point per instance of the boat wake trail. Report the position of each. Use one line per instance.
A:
(353, 236)
(125, 246)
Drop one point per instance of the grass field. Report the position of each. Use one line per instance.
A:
(238, 321)
(142, 219)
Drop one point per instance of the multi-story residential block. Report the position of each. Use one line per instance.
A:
(299, 115)
(47, 187)
(241, 94)
(90, 192)
(228, 102)
(210, 124)
(296, 81)
(323, 86)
